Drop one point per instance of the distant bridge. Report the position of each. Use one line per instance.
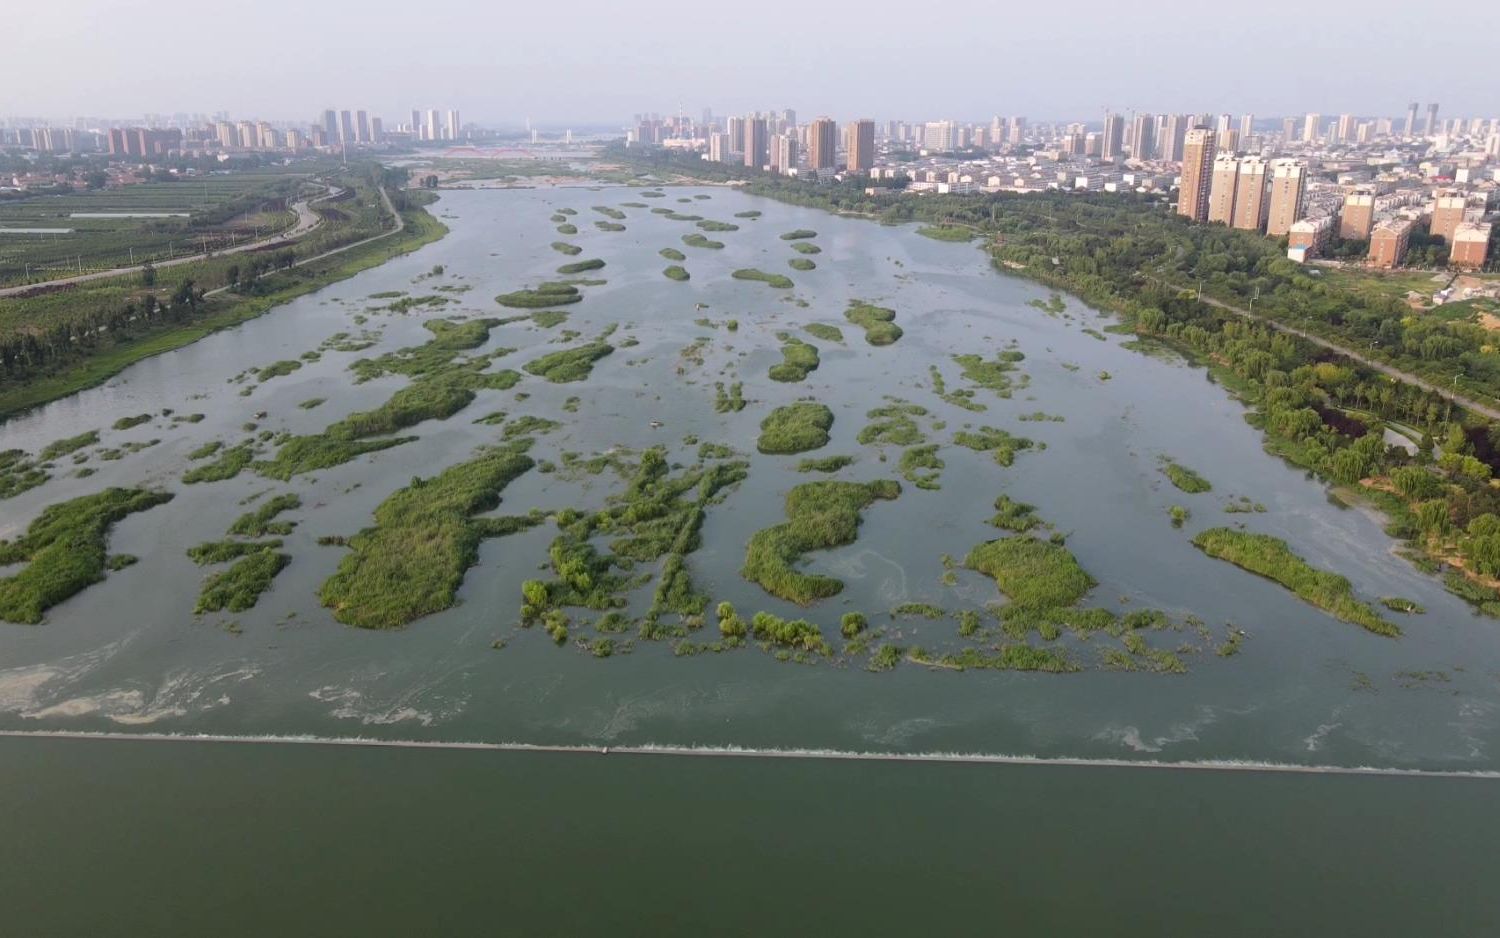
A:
(513, 153)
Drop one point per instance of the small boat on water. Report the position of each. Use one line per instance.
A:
(656, 424)
(260, 415)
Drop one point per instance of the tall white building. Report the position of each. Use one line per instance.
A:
(938, 135)
(453, 124)
(1310, 127)
(1288, 186)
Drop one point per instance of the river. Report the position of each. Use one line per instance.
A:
(128, 655)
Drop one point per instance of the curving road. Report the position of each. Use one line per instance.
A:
(307, 220)
(1467, 403)
(400, 226)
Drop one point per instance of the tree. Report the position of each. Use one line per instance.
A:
(184, 296)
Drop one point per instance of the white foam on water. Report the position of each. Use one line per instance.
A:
(1314, 740)
(180, 693)
(655, 749)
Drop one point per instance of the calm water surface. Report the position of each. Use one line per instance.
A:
(156, 838)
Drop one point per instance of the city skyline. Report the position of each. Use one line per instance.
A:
(1004, 61)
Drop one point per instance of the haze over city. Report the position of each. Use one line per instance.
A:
(598, 61)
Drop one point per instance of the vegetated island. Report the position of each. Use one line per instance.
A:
(798, 359)
(777, 281)
(795, 428)
(877, 321)
(1271, 558)
(822, 515)
(64, 550)
(412, 561)
(1184, 478)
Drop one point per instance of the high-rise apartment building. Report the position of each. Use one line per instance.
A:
(822, 141)
(1247, 126)
(1251, 205)
(431, 128)
(1112, 144)
(377, 130)
(939, 136)
(756, 142)
(1143, 137)
(1174, 129)
(346, 128)
(1222, 188)
(1310, 128)
(1411, 119)
(1471, 245)
(1288, 129)
(1447, 214)
(1430, 126)
(861, 147)
(453, 124)
(1345, 131)
(362, 126)
(1288, 186)
(773, 153)
(786, 153)
(718, 148)
(1197, 174)
(1389, 241)
(737, 135)
(331, 124)
(1358, 216)
(1228, 141)
(416, 124)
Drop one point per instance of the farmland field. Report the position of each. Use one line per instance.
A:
(219, 211)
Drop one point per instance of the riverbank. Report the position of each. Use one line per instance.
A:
(420, 228)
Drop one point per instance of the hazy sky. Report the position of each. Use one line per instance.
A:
(501, 61)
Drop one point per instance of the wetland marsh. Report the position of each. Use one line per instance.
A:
(484, 423)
